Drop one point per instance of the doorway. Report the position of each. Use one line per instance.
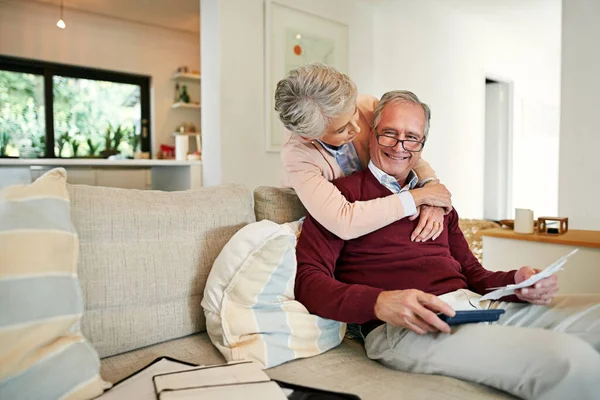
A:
(498, 150)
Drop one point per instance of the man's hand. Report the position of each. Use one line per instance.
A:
(541, 293)
(433, 194)
(413, 309)
(431, 223)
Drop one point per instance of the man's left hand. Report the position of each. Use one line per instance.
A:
(431, 223)
(541, 293)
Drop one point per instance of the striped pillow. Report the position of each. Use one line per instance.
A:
(249, 300)
(42, 353)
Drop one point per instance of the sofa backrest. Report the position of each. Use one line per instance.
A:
(145, 257)
(283, 205)
(279, 205)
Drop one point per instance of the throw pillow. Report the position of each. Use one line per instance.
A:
(43, 354)
(249, 300)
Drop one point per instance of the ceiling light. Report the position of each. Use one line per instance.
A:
(61, 24)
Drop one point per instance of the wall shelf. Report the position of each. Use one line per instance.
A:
(186, 76)
(572, 237)
(186, 105)
(187, 134)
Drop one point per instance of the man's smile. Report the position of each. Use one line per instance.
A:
(397, 158)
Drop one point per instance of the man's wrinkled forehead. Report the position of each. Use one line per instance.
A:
(389, 115)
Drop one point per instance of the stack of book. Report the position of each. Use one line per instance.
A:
(169, 379)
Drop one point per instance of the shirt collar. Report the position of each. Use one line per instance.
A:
(331, 150)
(412, 179)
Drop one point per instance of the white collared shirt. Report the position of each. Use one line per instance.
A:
(346, 157)
(408, 202)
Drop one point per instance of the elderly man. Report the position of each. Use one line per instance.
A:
(391, 288)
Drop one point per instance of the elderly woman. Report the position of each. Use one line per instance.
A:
(330, 126)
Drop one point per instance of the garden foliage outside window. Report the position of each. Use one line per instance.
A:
(92, 113)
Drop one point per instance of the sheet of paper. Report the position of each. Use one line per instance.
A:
(241, 372)
(243, 391)
(545, 273)
(140, 385)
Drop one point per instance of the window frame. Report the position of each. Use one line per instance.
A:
(49, 69)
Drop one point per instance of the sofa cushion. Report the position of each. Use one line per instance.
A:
(42, 350)
(344, 369)
(145, 257)
(347, 369)
(277, 204)
(249, 300)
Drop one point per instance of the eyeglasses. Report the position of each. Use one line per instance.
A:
(409, 145)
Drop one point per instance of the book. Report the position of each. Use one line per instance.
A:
(211, 375)
(169, 379)
(139, 385)
(246, 391)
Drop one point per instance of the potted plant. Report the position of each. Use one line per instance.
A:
(134, 139)
(75, 143)
(27, 149)
(4, 141)
(109, 149)
(63, 140)
(92, 148)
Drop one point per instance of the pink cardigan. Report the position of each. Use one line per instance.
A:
(309, 168)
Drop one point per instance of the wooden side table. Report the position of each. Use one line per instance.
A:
(504, 250)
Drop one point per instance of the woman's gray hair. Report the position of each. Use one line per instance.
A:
(310, 96)
(400, 95)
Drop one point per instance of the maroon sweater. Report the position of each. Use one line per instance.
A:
(341, 280)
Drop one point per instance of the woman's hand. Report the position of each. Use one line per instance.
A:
(433, 194)
(431, 223)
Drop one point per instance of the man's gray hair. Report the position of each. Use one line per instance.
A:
(310, 96)
(400, 95)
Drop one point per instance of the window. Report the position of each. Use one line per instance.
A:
(22, 120)
(54, 110)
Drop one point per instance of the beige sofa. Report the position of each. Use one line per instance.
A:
(144, 260)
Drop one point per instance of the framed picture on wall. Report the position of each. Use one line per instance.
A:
(292, 38)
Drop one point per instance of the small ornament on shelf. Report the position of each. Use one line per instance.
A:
(194, 156)
(186, 128)
(553, 225)
(184, 97)
(177, 92)
(166, 152)
(183, 134)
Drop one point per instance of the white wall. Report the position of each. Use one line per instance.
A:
(579, 127)
(443, 50)
(210, 43)
(29, 30)
(240, 70)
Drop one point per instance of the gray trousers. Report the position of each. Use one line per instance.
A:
(532, 352)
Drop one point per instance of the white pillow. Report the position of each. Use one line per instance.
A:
(249, 300)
